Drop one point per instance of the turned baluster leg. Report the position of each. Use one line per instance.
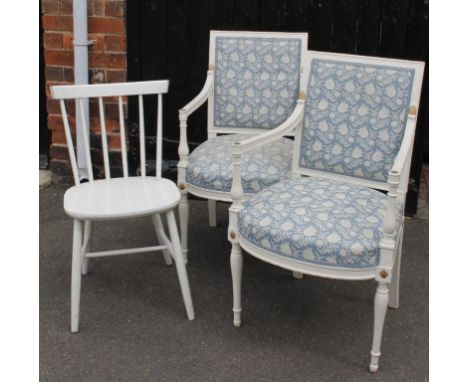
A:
(236, 271)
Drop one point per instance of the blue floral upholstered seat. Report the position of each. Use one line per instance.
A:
(325, 222)
(209, 165)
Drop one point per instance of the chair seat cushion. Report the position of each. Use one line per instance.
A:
(210, 164)
(324, 222)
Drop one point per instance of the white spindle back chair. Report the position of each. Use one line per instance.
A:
(119, 197)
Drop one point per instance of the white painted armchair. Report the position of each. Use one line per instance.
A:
(252, 85)
(354, 137)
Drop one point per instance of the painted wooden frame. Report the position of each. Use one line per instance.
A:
(386, 273)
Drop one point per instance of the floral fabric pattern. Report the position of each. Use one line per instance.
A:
(355, 118)
(256, 81)
(210, 164)
(319, 221)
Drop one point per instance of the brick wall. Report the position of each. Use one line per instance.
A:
(107, 63)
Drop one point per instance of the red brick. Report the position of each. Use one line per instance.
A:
(58, 136)
(68, 41)
(114, 141)
(99, 7)
(116, 61)
(116, 76)
(58, 57)
(99, 45)
(53, 107)
(51, 7)
(96, 60)
(115, 8)
(57, 23)
(106, 25)
(116, 43)
(55, 122)
(69, 75)
(59, 151)
(53, 41)
(54, 73)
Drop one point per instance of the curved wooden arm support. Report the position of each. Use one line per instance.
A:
(406, 145)
(262, 139)
(184, 113)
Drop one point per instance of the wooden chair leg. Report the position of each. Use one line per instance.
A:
(162, 238)
(76, 275)
(180, 265)
(88, 236)
(184, 218)
(236, 271)
(394, 298)
(212, 212)
(380, 310)
(297, 275)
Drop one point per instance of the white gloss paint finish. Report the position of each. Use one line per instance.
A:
(122, 197)
(207, 95)
(387, 272)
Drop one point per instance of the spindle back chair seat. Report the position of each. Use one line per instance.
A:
(119, 197)
(252, 85)
(354, 137)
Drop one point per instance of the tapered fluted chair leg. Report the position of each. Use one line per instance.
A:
(380, 310)
(394, 298)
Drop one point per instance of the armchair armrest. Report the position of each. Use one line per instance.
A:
(201, 97)
(396, 187)
(188, 109)
(406, 145)
(258, 140)
(261, 139)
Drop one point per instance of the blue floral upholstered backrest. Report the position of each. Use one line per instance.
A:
(257, 79)
(355, 115)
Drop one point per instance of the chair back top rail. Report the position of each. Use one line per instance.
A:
(110, 90)
(119, 90)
